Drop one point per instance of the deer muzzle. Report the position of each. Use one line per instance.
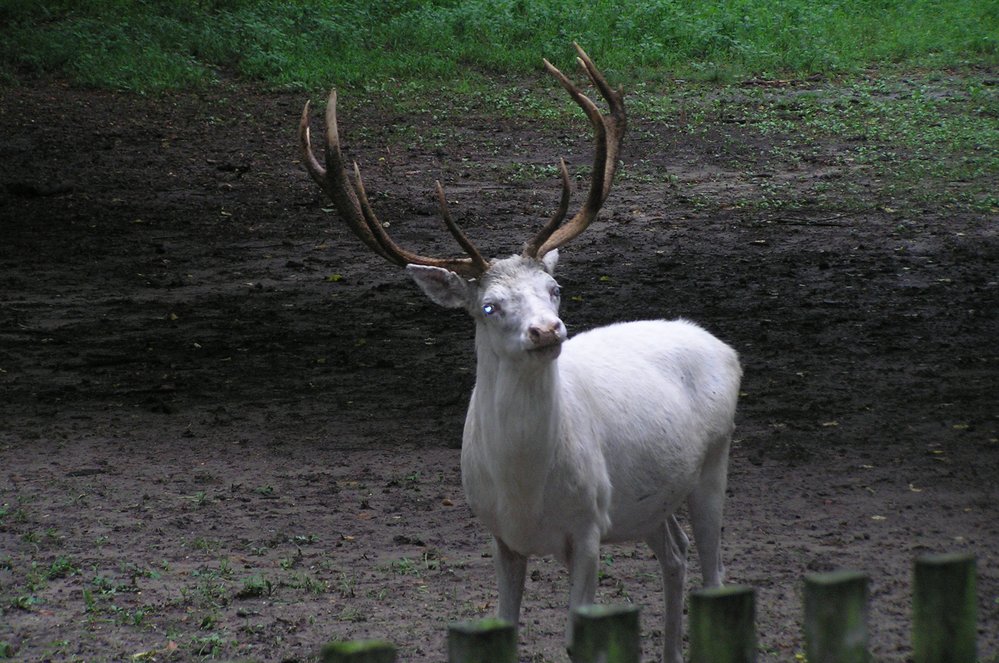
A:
(546, 337)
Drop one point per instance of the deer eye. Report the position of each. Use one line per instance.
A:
(489, 308)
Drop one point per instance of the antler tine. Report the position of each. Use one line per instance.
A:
(532, 246)
(615, 123)
(392, 251)
(608, 133)
(352, 204)
(333, 180)
(471, 267)
(473, 253)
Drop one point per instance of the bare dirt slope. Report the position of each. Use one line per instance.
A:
(227, 431)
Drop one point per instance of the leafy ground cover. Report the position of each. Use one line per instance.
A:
(154, 45)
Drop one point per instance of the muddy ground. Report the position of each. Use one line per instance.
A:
(229, 432)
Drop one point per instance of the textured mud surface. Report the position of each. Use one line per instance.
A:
(228, 431)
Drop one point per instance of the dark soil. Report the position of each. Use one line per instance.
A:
(228, 431)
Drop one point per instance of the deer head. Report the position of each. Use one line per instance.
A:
(515, 300)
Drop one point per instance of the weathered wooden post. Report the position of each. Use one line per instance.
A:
(482, 641)
(723, 625)
(606, 634)
(944, 609)
(358, 651)
(836, 607)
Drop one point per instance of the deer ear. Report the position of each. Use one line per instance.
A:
(549, 260)
(442, 286)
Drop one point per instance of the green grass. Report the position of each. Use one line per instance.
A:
(929, 139)
(160, 44)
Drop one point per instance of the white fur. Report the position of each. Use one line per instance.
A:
(598, 438)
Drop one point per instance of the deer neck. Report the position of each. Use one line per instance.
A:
(516, 405)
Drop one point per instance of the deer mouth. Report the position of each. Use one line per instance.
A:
(548, 350)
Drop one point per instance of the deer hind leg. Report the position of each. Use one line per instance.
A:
(705, 504)
(511, 569)
(669, 542)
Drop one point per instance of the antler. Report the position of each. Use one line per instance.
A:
(352, 204)
(608, 133)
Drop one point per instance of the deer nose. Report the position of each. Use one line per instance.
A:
(545, 334)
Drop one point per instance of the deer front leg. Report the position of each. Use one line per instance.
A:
(511, 569)
(583, 559)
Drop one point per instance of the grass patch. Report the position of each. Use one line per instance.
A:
(156, 45)
(10, 514)
(925, 140)
(898, 141)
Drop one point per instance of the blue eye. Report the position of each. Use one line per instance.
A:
(489, 309)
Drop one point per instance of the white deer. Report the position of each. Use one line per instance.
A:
(570, 443)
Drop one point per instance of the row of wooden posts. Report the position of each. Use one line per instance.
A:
(722, 624)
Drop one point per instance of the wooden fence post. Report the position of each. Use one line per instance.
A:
(358, 651)
(836, 617)
(482, 641)
(606, 634)
(944, 609)
(723, 625)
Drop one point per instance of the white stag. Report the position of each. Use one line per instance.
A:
(570, 443)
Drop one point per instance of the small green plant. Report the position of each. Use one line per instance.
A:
(107, 587)
(225, 568)
(61, 568)
(531, 172)
(346, 584)
(24, 602)
(205, 545)
(405, 567)
(254, 587)
(89, 602)
(606, 563)
(377, 594)
(200, 499)
(57, 649)
(210, 591)
(352, 614)
(12, 514)
(432, 560)
(308, 583)
(126, 617)
(134, 572)
(208, 646)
